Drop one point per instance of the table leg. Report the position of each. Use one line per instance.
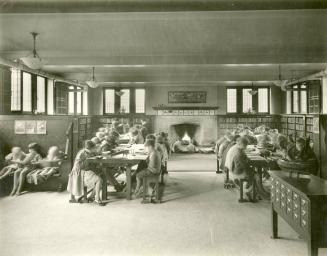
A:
(104, 184)
(241, 199)
(274, 223)
(128, 183)
(255, 189)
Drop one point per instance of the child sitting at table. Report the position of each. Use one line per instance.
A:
(222, 140)
(281, 146)
(97, 143)
(16, 154)
(81, 175)
(164, 135)
(136, 137)
(163, 150)
(153, 165)
(100, 135)
(301, 151)
(25, 166)
(110, 142)
(238, 164)
(222, 147)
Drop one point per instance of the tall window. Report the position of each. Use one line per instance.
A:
(299, 99)
(27, 92)
(109, 101)
(40, 94)
(124, 101)
(139, 100)
(61, 98)
(79, 102)
(71, 100)
(247, 100)
(304, 99)
(263, 100)
(295, 100)
(85, 103)
(50, 90)
(16, 90)
(240, 100)
(231, 100)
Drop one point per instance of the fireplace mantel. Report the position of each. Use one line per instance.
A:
(184, 108)
(186, 111)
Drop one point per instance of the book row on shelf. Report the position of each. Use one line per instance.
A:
(298, 125)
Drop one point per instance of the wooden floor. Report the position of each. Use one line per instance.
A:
(192, 163)
(197, 217)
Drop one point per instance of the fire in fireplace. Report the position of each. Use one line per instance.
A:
(186, 137)
(185, 131)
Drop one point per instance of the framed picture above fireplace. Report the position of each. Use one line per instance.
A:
(187, 97)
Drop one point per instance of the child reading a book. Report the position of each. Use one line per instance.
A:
(46, 167)
(16, 154)
(25, 166)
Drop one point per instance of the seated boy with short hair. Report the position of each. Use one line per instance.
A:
(238, 164)
(154, 165)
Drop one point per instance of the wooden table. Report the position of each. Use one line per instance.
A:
(302, 203)
(120, 160)
(258, 163)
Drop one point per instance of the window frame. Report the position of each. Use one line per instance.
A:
(20, 96)
(231, 88)
(268, 99)
(45, 96)
(299, 99)
(31, 92)
(255, 100)
(117, 103)
(104, 101)
(78, 90)
(143, 102)
(48, 97)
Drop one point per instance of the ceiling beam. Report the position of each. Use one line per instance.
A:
(307, 78)
(94, 6)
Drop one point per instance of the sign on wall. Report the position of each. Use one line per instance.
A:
(187, 97)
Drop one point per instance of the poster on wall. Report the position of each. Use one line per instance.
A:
(41, 127)
(19, 127)
(30, 127)
(187, 97)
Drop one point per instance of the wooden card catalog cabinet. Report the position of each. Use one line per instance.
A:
(302, 203)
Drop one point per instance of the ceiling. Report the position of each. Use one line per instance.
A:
(167, 46)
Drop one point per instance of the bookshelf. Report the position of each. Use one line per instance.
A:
(230, 122)
(84, 129)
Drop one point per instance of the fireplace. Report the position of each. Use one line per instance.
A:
(203, 129)
(185, 131)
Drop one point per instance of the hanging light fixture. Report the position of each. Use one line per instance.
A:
(253, 91)
(119, 92)
(92, 83)
(34, 61)
(281, 83)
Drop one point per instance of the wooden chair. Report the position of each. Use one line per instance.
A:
(227, 182)
(156, 179)
(146, 182)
